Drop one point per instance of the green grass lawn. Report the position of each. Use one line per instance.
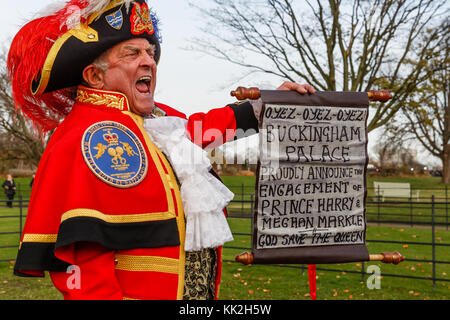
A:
(287, 282)
(261, 282)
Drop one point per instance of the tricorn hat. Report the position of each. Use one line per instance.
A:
(48, 55)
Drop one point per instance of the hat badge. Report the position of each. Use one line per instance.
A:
(115, 19)
(140, 20)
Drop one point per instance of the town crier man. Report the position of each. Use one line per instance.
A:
(124, 205)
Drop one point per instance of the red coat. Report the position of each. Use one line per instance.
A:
(126, 241)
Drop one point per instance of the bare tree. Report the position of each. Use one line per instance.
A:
(19, 141)
(334, 45)
(425, 117)
(392, 153)
(386, 151)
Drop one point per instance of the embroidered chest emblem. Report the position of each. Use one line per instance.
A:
(114, 154)
(141, 20)
(115, 19)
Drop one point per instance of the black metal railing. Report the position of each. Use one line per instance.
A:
(431, 213)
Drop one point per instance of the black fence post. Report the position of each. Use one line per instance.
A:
(20, 215)
(433, 242)
(446, 206)
(378, 205)
(251, 218)
(363, 273)
(242, 199)
(410, 207)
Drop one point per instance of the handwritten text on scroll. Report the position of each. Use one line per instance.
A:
(312, 176)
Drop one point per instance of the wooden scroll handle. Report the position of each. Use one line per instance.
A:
(388, 257)
(253, 93)
(242, 93)
(381, 96)
(247, 258)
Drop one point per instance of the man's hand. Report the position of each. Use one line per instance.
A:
(300, 88)
(287, 86)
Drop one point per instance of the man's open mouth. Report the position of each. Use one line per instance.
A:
(143, 85)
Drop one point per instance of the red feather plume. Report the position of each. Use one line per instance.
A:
(27, 55)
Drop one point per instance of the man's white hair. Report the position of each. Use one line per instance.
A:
(102, 62)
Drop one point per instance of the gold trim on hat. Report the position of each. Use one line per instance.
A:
(112, 5)
(83, 33)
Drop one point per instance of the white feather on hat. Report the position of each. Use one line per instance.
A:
(74, 14)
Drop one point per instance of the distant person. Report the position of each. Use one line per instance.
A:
(10, 189)
(32, 180)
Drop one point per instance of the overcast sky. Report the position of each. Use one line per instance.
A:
(188, 81)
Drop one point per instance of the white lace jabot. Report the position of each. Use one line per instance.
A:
(204, 197)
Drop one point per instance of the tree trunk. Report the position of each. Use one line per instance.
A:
(446, 134)
(446, 164)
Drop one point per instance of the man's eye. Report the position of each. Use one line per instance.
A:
(130, 53)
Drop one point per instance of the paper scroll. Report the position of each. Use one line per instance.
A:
(311, 185)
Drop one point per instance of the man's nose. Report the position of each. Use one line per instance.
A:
(147, 60)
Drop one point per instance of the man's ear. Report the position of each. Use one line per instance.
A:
(93, 76)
